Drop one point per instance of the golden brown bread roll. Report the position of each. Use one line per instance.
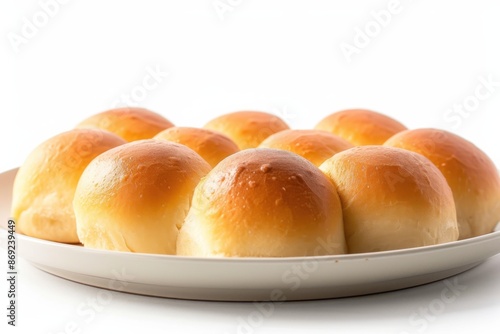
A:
(45, 184)
(472, 176)
(361, 126)
(135, 197)
(130, 123)
(210, 145)
(263, 203)
(247, 128)
(314, 145)
(392, 199)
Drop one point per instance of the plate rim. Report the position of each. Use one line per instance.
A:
(292, 260)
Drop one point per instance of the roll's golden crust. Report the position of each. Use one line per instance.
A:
(210, 145)
(263, 203)
(45, 184)
(314, 145)
(361, 126)
(391, 199)
(135, 197)
(247, 128)
(472, 176)
(130, 123)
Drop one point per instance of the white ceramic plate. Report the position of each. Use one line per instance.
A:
(249, 279)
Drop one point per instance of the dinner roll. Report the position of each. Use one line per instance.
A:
(45, 184)
(247, 128)
(314, 145)
(361, 126)
(130, 123)
(472, 176)
(263, 203)
(391, 199)
(135, 197)
(210, 145)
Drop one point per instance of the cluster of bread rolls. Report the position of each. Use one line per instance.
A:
(246, 185)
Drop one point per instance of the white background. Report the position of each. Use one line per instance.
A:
(278, 56)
